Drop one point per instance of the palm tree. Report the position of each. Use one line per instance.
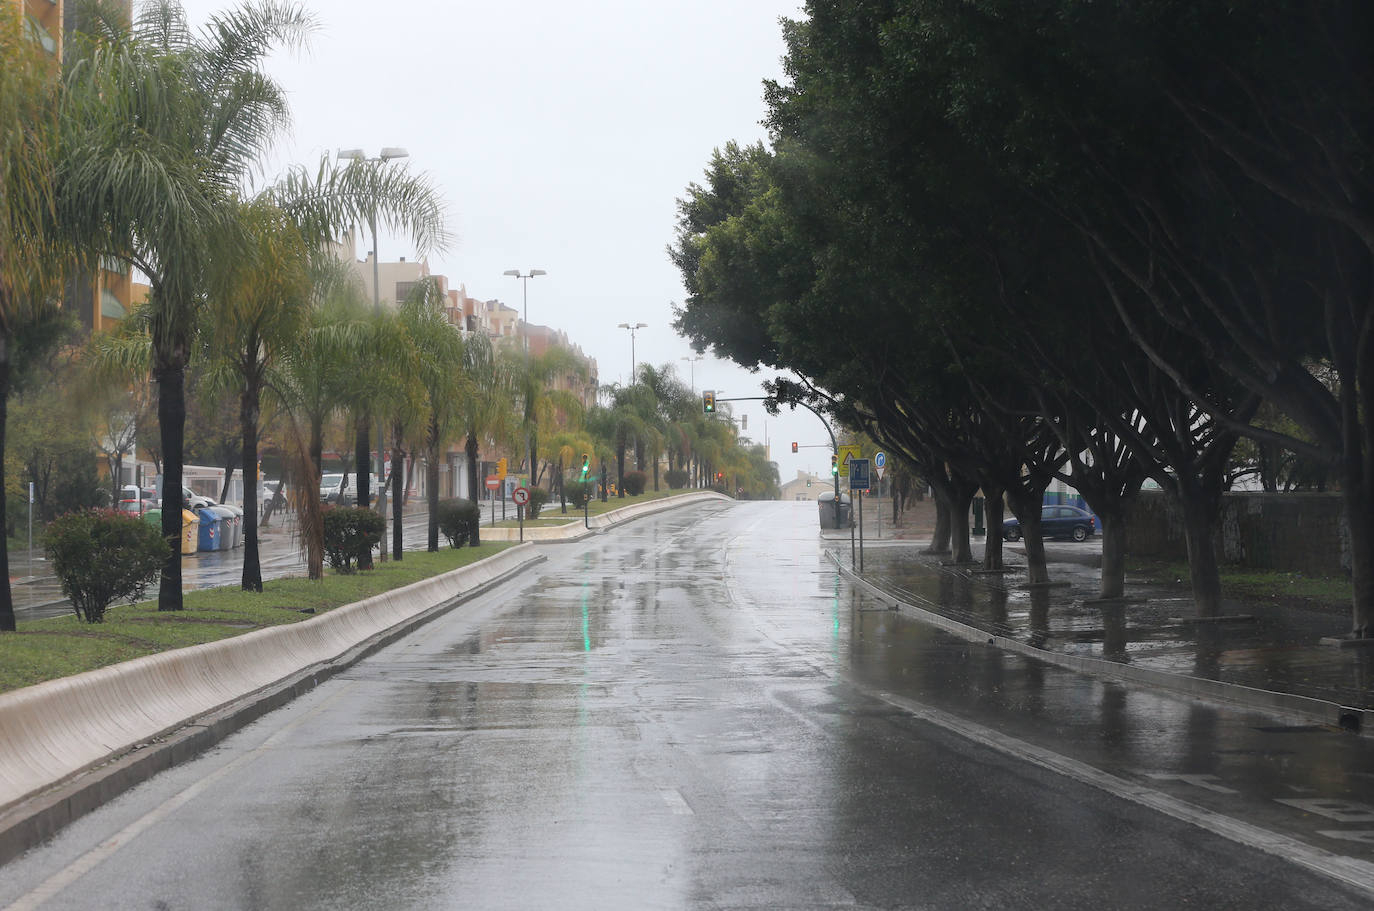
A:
(486, 411)
(259, 304)
(161, 127)
(444, 385)
(543, 408)
(32, 255)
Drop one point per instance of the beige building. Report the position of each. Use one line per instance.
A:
(806, 486)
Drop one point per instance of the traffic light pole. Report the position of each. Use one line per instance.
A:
(834, 446)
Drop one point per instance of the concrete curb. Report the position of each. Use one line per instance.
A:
(575, 531)
(72, 744)
(1289, 705)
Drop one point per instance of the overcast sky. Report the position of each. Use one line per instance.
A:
(561, 135)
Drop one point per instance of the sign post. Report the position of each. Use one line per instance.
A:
(493, 482)
(521, 496)
(859, 483)
(879, 468)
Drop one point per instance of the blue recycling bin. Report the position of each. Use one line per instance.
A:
(225, 540)
(211, 530)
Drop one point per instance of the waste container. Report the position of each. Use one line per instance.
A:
(225, 539)
(190, 531)
(235, 524)
(826, 503)
(153, 517)
(210, 530)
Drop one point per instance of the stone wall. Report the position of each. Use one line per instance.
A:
(1293, 532)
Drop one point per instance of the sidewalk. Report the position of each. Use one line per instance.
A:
(1256, 649)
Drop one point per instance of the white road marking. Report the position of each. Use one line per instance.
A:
(1352, 871)
(1339, 810)
(1364, 837)
(1206, 782)
(675, 802)
(60, 880)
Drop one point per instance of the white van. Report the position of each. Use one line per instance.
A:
(338, 488)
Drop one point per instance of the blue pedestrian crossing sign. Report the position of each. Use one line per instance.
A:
(880, 463)
(858, 474)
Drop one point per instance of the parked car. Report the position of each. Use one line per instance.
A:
(136, 501)
(266, 491)
(1056, 522)
(192, 500)
(337, 487)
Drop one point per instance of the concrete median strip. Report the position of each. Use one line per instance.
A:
(574, 529)
(68, 745)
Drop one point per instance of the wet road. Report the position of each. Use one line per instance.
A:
(695, 711)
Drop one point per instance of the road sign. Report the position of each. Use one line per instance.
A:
(880, 464)
(858, 474)
(521, 496)
(493, 482)
(848, 452)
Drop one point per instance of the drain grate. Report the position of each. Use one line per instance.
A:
(1294, 729)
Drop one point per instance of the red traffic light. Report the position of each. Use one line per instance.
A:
(794, 447)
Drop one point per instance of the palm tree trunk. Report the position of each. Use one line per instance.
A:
(251, 580)
(475, 538)
(171, 416)
(362, 460)
(432, 492)
(398, 504)
(7, 621)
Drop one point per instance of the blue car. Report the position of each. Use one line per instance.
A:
(1056, 522)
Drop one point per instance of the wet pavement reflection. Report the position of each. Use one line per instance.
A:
(695, 710)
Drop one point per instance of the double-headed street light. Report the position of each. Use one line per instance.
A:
(525, 317)
(388, 153)
(692, 370)
(632, 328)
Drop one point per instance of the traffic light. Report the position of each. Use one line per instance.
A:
(834, 464)
(586, 465)
(794, 447)
(501, 467)
(708, 402)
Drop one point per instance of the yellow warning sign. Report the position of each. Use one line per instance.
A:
(846, 452)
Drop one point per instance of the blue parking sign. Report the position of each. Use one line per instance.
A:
(858, 474)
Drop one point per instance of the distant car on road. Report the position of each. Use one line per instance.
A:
(337, 487)
(1056, 522)
(136, 501)
(192, 500)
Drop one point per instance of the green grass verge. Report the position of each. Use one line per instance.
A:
(1246, 584)
(62, 646)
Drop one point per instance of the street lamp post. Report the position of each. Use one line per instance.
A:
(388, 153)
(632, 328)
(692, 370)
(525, 318)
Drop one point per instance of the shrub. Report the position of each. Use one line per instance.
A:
(676, 478)
(635, 482)
(578, 493)
(538, 497)
(101, 556)
(457, 519)
(347, 529)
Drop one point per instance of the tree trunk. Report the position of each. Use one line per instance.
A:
(939, 537)
(398, 501)
(620, 471)
(1359, 517)
(7, 619)
(475, 538)
(1113, 584)
(992, 541)
(1026, 504)
(251, 579)
(959, 527)
(1199, 518)
(362, 463)
(432, 487)
(171, 416)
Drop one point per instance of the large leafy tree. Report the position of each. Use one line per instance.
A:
(161, 127)
(32, 252)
